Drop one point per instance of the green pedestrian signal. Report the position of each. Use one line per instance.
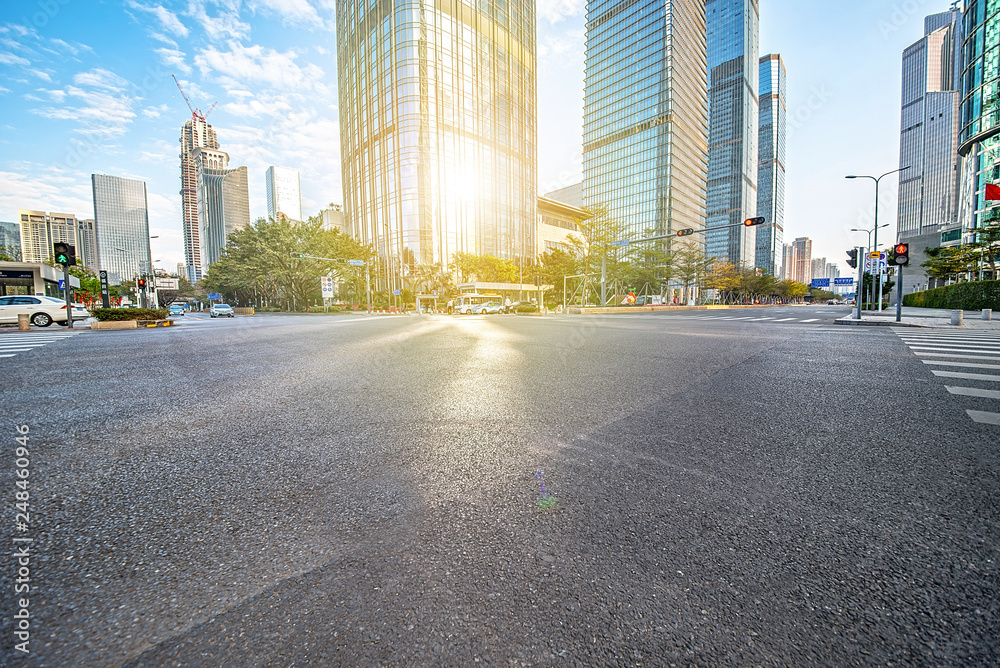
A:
(64, 254)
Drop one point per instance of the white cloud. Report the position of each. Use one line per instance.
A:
(7, 58)
(167, 19)
(4, 90)
(155, 112)
(557, 10)
(100, 78)
(226, 25)
(75, 48)
(570, 44)
(46, 189)
(244, 65)
(44, 76)
(172, 57)
(56, 95)
(294, 12)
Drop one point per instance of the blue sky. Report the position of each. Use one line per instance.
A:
(85, 87)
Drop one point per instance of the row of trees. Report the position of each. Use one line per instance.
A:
(969, 260)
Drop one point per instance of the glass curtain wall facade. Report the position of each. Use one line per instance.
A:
(733, 70)
(223, 203)
(283, 192)
(121, 219)
(979, 125)
(438, 128)
(928, 139)
(771, 164)
(645, 119)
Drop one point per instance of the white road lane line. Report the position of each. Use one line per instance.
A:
(784, 319)
(984, 417)
(965, 364)
(810, 320)
(967, 376)
(973, 392)
(951, 350)
(964, 357)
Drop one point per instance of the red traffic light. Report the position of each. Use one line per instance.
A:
(759, 220)
(142, 283)
(901, 249)
(900, 255)
(686, 231)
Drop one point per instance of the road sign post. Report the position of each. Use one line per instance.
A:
(69, 297)
(105, 291)
(859, 293)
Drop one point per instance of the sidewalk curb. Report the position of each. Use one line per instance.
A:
(874, 323)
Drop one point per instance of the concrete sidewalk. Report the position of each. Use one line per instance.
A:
(972, 320)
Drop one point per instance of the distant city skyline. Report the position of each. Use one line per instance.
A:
(88, 90)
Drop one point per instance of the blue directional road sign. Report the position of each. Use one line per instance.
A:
(820, 283)
(395, 292)
(62, 283)
(849, 280)
(214, 295)
(621, 243)
(356, 263)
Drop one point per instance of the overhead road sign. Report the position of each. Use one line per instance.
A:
(820, 283)
(849, 280)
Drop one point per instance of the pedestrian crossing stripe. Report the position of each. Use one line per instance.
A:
(968, 350)
(13, 344)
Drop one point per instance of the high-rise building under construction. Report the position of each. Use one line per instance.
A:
(196, 134)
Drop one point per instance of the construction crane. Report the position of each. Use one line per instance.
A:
(195, 112)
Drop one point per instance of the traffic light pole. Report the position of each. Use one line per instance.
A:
(859, 293)
(899, 293)
(69, 297)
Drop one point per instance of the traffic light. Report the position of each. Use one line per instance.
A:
(141, 283)
(298, 255)
(852, 258)
(901, 255)
(686, 231)
(759, 220)
(64, 254)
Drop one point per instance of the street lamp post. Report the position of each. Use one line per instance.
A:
(876, 180)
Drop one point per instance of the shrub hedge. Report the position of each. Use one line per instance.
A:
(526, 308)
(970, 296)
(106, 314)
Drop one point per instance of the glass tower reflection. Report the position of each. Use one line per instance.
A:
(732, 29)
(437, 115)
(645, 126)
(771, 164)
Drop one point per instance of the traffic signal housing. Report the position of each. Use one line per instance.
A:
(141, 283)
(852, 258)
(64, 254)
(759, 220)
(901, 255)
(686, 231)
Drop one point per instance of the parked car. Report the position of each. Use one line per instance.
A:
(42, 311)
(488, 307)
(221, 311)
(176, 309)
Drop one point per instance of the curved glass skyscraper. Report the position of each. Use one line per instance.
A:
(979, 122)
(437, 124)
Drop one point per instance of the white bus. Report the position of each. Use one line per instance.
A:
(464, 303)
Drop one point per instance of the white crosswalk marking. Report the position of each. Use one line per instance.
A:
(961, 350)
(12, 345)
(810, 320)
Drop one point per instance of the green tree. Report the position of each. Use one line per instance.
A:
(483, 268)
(949, 262)
(691, 265)
(554, 266)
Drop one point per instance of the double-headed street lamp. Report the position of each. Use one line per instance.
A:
(876, 179)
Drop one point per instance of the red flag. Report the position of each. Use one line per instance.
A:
(992, 191)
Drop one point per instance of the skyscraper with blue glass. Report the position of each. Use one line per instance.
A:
(645, 125)
(979, 117)
(437, 126)
(771, 164)
(732, 38)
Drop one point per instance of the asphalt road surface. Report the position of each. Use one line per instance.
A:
(359, 491)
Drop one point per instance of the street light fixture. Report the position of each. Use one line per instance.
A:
(876, 179)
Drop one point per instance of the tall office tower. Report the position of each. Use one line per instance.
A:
(787, 261)
(333, 219)
(283, 193)
(437, 125)
(195, 134)
(39, 230)
(10, 239)
(645, 114)
(733, 71)
(572, 195)
(979, 132)
(818, 270)
(223, 202)
(928, 138)
(121, 218)
(771, 164)
(86, 250)
(802, 260)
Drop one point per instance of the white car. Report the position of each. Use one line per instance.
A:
(42, 311)
(221, 311)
